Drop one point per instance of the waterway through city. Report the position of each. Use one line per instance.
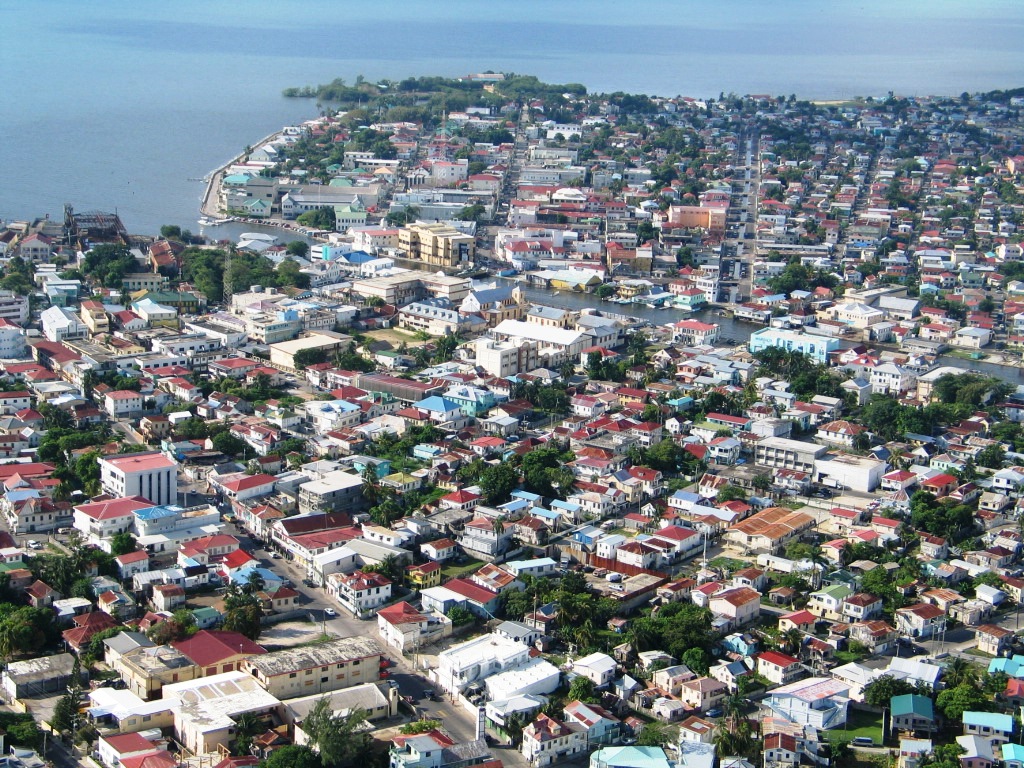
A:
(736, 330)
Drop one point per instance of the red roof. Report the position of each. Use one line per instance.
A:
(214, 646)
(471, 591)
(113, 508)
(129, 742)
(401, 613)
(778, 659)
(249, 481)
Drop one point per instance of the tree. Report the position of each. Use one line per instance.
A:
(460, 616)
(880, 691)
(582, 689)
(657, 735)
(122, 543)
(959, 671)
(697, 660)
(247, 726)
(293, 756)
(420, 726)
(730, 493)
(953, 702)
(992, 456)
(229, 445)
(498, 481)
(298, 248)
(339, 738)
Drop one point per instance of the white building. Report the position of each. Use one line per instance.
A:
(359, 592)
(60, 324)
(599, 668)
(506, 358)
(477, 659)
(151, 475)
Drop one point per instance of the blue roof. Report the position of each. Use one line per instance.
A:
(912, 704)
(242, 575)
(1013, 667)
(631, 757)
(438, 404)
(16, 496)
(358, 257)
(571, 506)
(547, 514)
(155, 513)
(992, 720)
(525, 495)
(1013, 752)
(686, 496)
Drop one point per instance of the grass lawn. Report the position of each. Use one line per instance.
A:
(791, 504)
(452, 571)
(859, 723)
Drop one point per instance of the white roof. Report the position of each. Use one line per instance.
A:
(599, 662)
(534, 673)
(537, 332)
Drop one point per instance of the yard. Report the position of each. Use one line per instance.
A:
(859, 723)
(452, 571)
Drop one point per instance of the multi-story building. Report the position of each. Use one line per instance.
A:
(95, 317)
(150, 475)
(315, 669)
(506, 358)
(547, 741)
(360, 592)
(781, 453)
(61, 324)
(818, 348)
(14, 307)
(437, 245)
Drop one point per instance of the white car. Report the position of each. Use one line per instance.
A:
(330, 612)
(33, 544)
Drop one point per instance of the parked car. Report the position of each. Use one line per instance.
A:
(716, 712)
(33, 544)
(330, 612)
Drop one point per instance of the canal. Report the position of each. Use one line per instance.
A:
(736, 330)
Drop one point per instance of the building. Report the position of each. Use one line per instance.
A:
(912, 712)
(818, 348)
(206, 709)
(507, 358)
(477, 659)
(436, 245)
(151, 475)
(216, 652)
(148, 670)
(770, 530)
(359, 592)
(818, 701)
(781, 453)
(36, 678)
(778, 668)
(599, 668)
(321, 668)
(403, 627)
(547, 741)
(61, 324)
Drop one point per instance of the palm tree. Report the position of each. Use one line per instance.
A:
(793, 638)
(960, 671)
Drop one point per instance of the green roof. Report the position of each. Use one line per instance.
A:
(836, 591)
(912, 704)
(207, 611)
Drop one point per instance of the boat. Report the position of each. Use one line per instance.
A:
(206, 221)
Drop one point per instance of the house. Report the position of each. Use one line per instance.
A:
(922, 620)
(778, 668)
(440, 549)
(740, 605)
(602, 726)
(818, 701)
(402, 626)
(216, 651)
(547, 741)
(993, 727)
(975, 752)
(599, 668)
(36, 678)
(879, 636)
(801, 620)
(359, 592)
(436, 750)
(912, 712)
(703, 694)
(993, 639)
(322, 668)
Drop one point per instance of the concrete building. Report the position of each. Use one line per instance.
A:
(818, 348)
(316, 669)
(61, 324)
(781, 453)
(437, 245)
(507, 358)
(150, 475)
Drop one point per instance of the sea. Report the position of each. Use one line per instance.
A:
(125, 105)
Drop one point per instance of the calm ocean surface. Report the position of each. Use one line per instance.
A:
(117, 104)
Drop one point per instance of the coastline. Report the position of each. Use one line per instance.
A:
(212, 192)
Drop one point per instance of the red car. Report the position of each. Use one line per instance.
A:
(386, 663)
(384, 674)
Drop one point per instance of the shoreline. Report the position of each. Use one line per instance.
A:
(213, 185)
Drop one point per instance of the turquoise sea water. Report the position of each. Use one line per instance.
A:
(116, 104)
